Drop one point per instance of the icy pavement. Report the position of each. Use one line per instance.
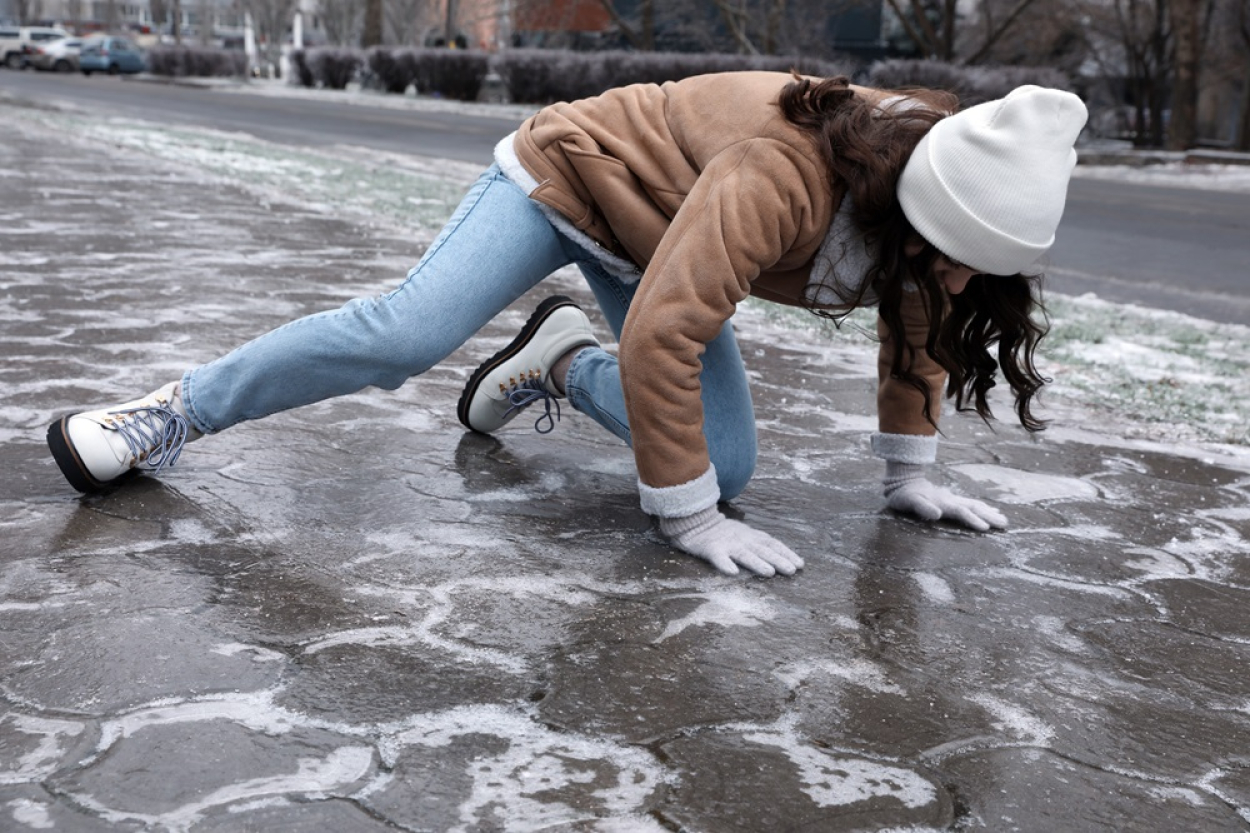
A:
(356, 617)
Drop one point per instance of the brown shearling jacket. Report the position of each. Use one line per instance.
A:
(707, 188)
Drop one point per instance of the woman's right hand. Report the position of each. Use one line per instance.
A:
(728, 545)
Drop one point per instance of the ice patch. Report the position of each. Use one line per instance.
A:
(935, 587)
(258, 653)
(732, 607)
(442, 604)
(1190, 797)
(191, 531)
(42, 761)
(1028, 486)
(858, 672)
(1056, 629)
(837, 781)
(31, 814)
(1086, 532)
(256, 711)
(1156, 563)
(6, 607)
(514, 789)
(1052, 581)
(1011, 718)
(315, 778)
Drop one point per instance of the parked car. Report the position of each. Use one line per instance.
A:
(14, 40)
(59, 55)
(110, 54)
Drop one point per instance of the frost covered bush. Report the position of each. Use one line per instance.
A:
(332, 68)
(531, 76)
(303, 74)
(394, 69)
(196, 62)
(452, 73)
(539, 76)
(973, 84)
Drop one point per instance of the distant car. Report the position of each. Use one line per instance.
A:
(15, 40)
(110, 54)
(59, 55)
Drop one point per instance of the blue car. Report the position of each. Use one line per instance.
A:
(110, 54)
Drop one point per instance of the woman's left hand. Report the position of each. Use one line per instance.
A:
(908, 490)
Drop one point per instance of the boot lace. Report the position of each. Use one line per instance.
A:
(526, 392)
(155, 435)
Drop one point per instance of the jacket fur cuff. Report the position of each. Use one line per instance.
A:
(681, 500)
(916, 449)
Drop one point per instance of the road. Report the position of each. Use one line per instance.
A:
(303, 122)
(1170, 248)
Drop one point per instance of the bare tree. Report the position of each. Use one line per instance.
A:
(160, 13)
(1187, 24)
(930, 24)
(947, 31)
(737, 18)
(341, 20)
(1242, 139)
(27, 10)
(639, 32)
(74, 9)
(1144, 33)
(272, 19)
(1056, 36)
(206, 13)
(408, 21)
(372, 32)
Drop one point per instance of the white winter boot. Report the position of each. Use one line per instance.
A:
(95, 449)
(519, 375)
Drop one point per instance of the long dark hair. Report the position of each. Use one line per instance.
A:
(866, 147)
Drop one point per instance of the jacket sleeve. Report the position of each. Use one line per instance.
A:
(904, 435)
(750, 206)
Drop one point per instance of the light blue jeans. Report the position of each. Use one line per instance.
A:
(497, 246)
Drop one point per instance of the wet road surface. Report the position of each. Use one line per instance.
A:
(356, 617)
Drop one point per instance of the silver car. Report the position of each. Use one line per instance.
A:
(57, 55)
(15, 40)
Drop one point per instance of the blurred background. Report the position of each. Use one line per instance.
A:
(1165, 74)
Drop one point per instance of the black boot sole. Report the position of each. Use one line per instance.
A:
(67, 459)
(545, 309)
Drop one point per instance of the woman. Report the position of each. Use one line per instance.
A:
(677, 202)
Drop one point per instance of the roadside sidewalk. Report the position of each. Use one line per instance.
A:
(356, 617)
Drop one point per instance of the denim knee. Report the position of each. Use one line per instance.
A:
(735, 468)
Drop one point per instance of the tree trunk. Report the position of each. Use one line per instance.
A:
(372, 33)
(1186, 24)
(1243, 124)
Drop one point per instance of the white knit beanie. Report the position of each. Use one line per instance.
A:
(986, 186)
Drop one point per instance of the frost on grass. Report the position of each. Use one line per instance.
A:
(408, 192)
(1141, 372)
(1158, 374)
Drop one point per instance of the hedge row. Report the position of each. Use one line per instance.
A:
(540, 76)
(532, 76)
(196, 61)
(973, 84)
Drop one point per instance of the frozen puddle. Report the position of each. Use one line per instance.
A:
(1017, 486)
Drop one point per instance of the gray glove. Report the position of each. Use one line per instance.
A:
(907, 490)
(727, 544)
